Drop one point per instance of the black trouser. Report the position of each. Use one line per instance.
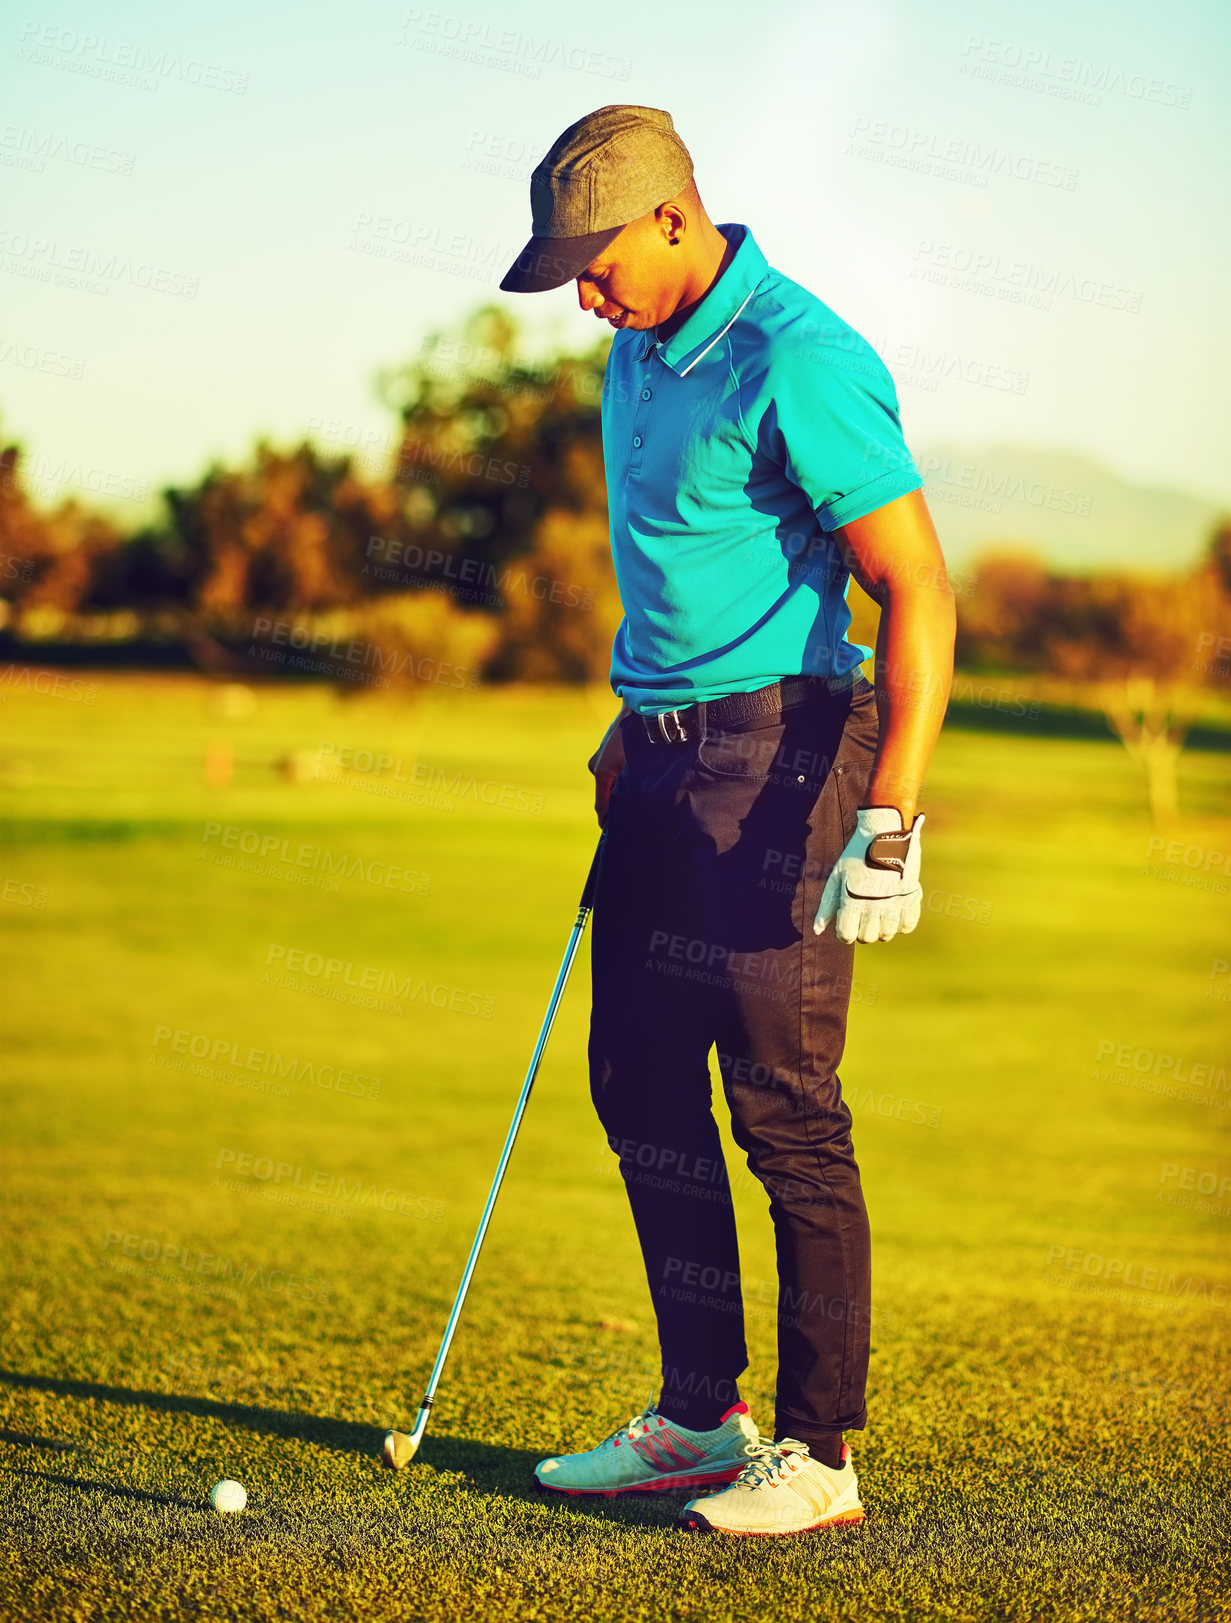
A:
(715, 857)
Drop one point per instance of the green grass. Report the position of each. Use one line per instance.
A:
(1035, 1450)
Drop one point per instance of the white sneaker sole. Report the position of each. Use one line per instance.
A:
(695, 1521)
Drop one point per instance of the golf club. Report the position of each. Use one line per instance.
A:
(401, 1446)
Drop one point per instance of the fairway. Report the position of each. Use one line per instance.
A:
(241, 1183)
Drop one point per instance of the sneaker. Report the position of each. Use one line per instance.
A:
(654, 1455)
(782, 1489)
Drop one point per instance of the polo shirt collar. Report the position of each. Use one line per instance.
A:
(718, 308)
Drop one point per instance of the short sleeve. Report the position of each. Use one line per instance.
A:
(832, 420)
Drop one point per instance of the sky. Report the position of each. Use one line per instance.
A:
(219, 224)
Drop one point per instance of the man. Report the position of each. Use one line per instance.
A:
(757, 796)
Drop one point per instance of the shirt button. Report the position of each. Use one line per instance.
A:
(637, 441)
(645, 394)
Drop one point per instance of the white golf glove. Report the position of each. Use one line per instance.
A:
(874, 891)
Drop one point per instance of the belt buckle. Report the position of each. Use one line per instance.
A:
(661, 718)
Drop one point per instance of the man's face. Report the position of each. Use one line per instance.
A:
(634, 282)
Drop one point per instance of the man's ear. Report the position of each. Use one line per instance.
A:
(672, 221)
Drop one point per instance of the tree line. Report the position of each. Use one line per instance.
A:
(482, 540)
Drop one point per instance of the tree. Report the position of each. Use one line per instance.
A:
(501, 461)
(290, 531)
(1132, 641)
(47, 558)
(1149, 723)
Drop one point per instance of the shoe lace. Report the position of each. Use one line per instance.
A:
(636, 1427)
(766, 1460)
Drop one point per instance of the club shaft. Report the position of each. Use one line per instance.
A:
(557, 992)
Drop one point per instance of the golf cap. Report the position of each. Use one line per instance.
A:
(608, 169)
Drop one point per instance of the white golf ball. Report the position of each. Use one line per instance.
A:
(227, 1496)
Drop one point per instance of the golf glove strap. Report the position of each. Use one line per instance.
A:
(873, 892)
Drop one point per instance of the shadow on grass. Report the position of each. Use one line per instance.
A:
(488, 1468)
(343, 1436)
(493, 1468)
(142, 1496)
(25, 1439)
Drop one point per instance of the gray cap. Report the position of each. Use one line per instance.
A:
(608, 169)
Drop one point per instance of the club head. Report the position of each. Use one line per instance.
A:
(400, 1448)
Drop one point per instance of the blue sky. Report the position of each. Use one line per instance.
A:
(1017, 205)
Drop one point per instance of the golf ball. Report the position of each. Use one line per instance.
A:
(226, 1496)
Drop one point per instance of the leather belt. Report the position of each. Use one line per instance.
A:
(732, 709)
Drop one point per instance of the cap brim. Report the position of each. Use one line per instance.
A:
(547, 262)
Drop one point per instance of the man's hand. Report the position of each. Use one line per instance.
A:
(605, 764)
(874, 889)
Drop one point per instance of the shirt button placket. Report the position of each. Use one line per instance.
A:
(641, 422)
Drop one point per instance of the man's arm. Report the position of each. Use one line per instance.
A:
(873, 891)
(894, 554)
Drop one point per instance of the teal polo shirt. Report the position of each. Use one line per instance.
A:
(732, 451)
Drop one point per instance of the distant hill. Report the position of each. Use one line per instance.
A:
(1073, 512)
